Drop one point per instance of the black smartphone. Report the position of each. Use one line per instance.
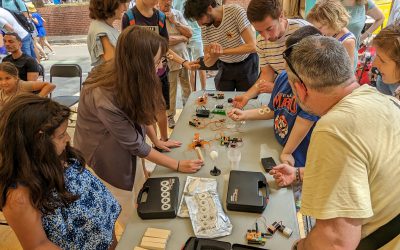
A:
(268, 163)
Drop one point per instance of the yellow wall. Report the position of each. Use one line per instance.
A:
(384, 6)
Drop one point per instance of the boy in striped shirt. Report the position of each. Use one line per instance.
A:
(273, 29)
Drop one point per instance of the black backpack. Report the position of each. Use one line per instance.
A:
(20, 17)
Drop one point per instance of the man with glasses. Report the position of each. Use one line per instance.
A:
(273, 28)
(292, 125)
(350, 182)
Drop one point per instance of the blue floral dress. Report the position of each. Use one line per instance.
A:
(87, 223)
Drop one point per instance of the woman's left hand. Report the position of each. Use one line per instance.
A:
(167, 145)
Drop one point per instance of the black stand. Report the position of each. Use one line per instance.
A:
(215, 171)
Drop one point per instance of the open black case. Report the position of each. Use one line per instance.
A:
(194, 243)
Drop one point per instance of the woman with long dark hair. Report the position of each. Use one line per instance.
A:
(118, 100)
(47, 196)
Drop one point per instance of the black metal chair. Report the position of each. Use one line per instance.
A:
(67, 71)
(41, 71)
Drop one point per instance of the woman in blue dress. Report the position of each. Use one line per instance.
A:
(39, 21)
(47, 196)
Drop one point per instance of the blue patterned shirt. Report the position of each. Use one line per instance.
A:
(87, 223)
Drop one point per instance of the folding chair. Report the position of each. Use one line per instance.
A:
(67, 71)
(41, 71)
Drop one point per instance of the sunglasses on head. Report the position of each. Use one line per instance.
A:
(286, 55)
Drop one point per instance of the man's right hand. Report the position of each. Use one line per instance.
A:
(240, 101)
(283, 174)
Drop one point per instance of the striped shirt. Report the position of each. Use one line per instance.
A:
(270, 53)
(234, 22)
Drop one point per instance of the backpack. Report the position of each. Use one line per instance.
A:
(20, 17)
(161, 18)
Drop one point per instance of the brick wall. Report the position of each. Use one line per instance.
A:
(65, 20)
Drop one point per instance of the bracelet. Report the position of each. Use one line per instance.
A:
(298, 175)
(183, 62)
(177, 169)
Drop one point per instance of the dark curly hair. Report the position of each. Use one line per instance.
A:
(28, 155)
(195, 9)
(103, 9)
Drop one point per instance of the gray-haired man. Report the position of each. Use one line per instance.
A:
(352, 172)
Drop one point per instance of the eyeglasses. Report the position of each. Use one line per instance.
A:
(286, 56)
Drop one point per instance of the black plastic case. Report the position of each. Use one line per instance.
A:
(162, 198)
(243, 192)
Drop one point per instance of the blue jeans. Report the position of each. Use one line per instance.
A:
(27, 46)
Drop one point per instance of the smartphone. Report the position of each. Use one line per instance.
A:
(268, 163)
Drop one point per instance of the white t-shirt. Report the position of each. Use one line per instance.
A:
(234, 22)
(353, 162)
(270, 53)
(180, 48)
(98, 29)
(7, 18)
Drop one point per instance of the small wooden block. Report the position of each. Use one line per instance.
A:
(157, 233)
(199, 153)
(152, 245)
(155, 240)
(139, 248)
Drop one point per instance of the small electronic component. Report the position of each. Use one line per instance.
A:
(256, 237)
(227, 140)
(195, 122)
(220, 96)
(272, 228)
(202, 112)
(219, 106)
(285, 230)
(230, 100)
(281, 228)
(202, 100)
(218, 111)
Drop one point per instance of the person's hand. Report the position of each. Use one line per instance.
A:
(193, 65)
(167, 145)
(240, 101)
(288, 159)
(237, 114)
(214, 50)
(264, 86)
(190, 166)
(283, 174)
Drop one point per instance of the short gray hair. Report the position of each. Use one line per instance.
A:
(322, 62)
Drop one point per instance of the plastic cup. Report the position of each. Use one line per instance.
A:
(234, 156)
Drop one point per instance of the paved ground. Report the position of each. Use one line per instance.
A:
(77, 53)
